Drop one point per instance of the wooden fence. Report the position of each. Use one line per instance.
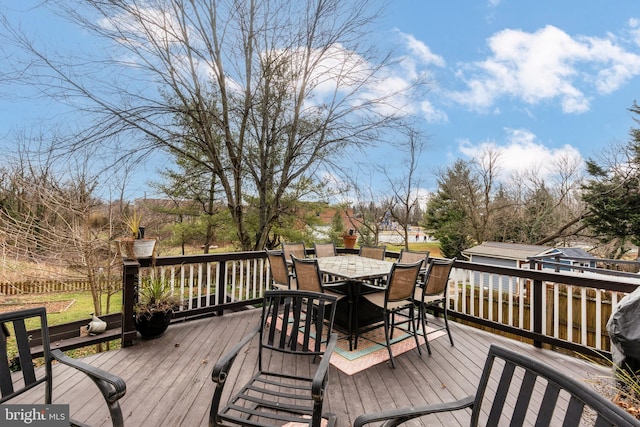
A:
(47, 286)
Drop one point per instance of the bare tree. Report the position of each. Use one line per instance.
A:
(406, 187)
(258, 91)
(53, 221)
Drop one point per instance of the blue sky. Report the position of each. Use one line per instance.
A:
(538, 80)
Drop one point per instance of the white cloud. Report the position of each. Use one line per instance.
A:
(546, 65)
(431, 114)
(521, 153)
(421, 51)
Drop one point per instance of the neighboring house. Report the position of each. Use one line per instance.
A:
(326, 215)
(504, 254)
(572, 257)
(521, 256)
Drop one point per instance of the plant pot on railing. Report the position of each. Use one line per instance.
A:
(349, 239)
(136, 248)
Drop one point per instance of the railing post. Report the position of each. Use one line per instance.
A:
(222, 285)
(537, 310)
(130, 272)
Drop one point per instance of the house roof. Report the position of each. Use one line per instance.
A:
(571, 253)
(515, 251)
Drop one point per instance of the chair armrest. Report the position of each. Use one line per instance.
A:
(111, 386)
(223, 365)
(395, 417)
(339, 287)
(319, 379)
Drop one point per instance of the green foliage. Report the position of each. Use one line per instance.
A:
(337, 228)
(613, 193)
(448, 220)
(154, 295)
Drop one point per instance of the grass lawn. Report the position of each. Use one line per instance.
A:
(62, 307)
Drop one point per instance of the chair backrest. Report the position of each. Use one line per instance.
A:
(14, 323)
(438, 272)
(324, 249)
(288, 327)
(296, 249)
(402, 280)
(278, 268)
(374, 252)
(408, 257)
(307, 272)
(564, 399)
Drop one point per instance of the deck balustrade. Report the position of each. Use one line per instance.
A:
(562, 309)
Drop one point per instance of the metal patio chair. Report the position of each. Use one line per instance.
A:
(433, 294)
(374, 252)
(281, 278)
(28, 377)
(564, 400)
(396, 297)
(324, 249)
(296, 249)
(276, 394)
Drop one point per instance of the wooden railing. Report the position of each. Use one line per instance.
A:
(564, 309)
(543, 307)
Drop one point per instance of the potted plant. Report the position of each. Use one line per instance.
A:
(349, 239)
(135, 245)
(155, 306)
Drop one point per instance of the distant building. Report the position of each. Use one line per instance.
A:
(504, 254)
(518, 255)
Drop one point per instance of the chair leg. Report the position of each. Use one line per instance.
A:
(423, 317)
(446, 324)
(393, 324)
(415, 328)
(354, 332)
(386, 337)
(350, 327)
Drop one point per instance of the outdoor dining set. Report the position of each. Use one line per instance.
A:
(370, 290)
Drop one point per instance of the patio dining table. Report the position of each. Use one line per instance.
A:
(354, 270)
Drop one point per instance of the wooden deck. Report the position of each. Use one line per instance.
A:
(169, 378)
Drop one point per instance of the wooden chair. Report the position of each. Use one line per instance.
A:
(276, 394)
(111, 387)
(280, 276)
(564, 399)
(374, 252)
(296, 249)
(433, 294)
(324, 249)
(397, 296)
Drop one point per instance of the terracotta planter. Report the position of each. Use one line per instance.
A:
(349, 241)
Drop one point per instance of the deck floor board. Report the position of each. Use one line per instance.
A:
(169, 378)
